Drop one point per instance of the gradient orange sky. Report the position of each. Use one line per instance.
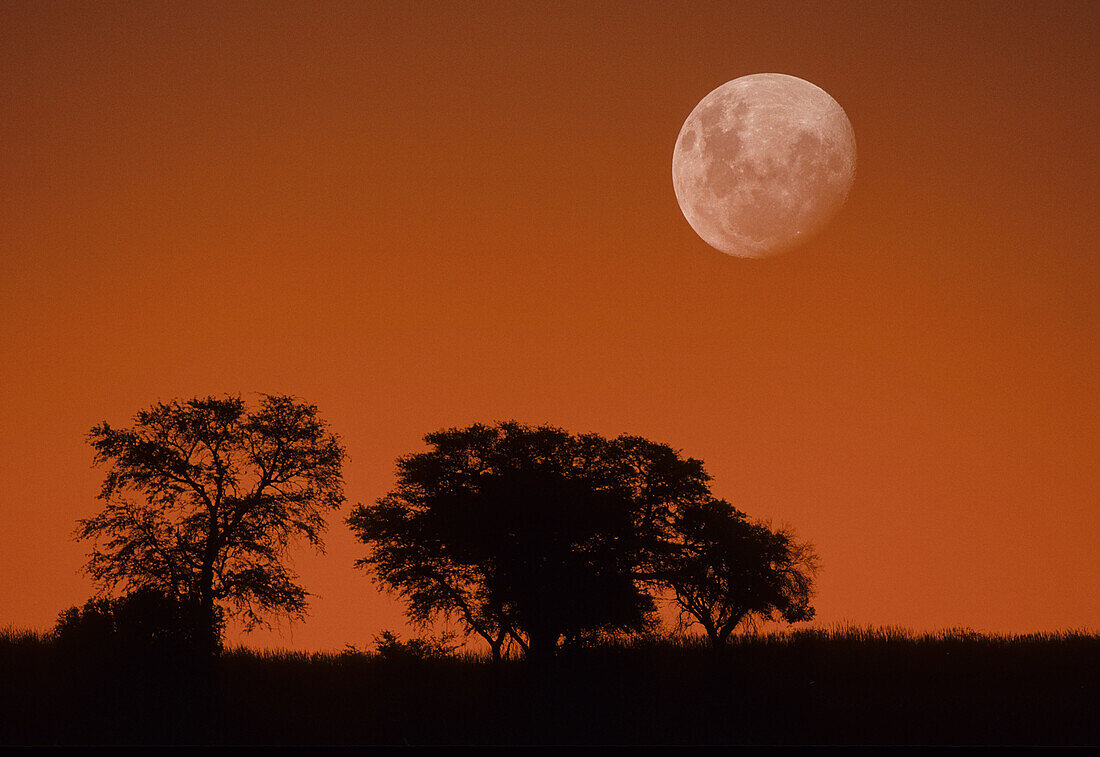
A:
(418, 215)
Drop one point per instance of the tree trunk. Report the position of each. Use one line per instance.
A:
(711, 629)
(727, 629)
(206, 627)
(542, 645)
(207, 630)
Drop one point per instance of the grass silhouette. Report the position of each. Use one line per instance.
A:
(841, 686)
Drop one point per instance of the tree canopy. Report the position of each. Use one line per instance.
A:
(725, 569)
(204, 497)
(531, 535)
(526, 534)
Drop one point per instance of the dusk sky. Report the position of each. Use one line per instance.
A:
(425, 215)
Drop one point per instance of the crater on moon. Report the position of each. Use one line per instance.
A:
(763, 162)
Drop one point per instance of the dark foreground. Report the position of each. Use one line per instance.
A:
(810, 688)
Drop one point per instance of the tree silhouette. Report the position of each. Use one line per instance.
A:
(204, 497)
(528, 534)
(726, 569)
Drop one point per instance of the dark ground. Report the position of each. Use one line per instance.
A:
(852, 687)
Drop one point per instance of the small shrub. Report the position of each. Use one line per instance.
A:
(389, 647)
(143, 621)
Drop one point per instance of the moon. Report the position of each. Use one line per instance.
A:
(762, 163)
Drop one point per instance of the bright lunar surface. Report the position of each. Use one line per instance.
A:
(762, 163)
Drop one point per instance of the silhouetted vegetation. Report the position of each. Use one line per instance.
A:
(202, 499)
(143, 622)
(806, 687)
(533, 536)
(389, 646)
(558, 545)
(725, 568)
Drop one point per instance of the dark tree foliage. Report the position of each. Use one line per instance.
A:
(203, 497)
(143, 621)
(727, 569)
(532, 535)
(558, 552)
(529, 535)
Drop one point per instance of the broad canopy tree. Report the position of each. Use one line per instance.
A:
(526, 534)
(725, 569)
(203, 497)
(532, 535)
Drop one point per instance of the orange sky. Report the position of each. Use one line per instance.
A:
(418, 216)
